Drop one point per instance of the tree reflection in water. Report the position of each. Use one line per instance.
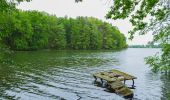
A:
(165, 87)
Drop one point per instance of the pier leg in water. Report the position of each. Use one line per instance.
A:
(133, 84)
(101, 81)
(124, 81)
(95, 78)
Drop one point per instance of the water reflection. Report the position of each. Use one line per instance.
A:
(52, 75)
(165, 87)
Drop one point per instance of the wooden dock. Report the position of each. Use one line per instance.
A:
(114, 80)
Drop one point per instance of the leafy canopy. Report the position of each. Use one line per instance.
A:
(145, 16)
(139, 12)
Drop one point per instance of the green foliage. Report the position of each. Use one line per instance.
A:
(39, 38)
(32, 30)
(121, 9)
(56, 32)
(138, 11)
(78, 0)
(161, 62)
(158, 13)
(90, 33)
(9, 5)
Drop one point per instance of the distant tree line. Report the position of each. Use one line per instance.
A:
(144, 46)
(32, 30)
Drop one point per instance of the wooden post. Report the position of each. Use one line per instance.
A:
(95, 78)
(101, 81)
(124, 81)
(133, 84)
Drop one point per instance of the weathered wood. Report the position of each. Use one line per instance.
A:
(116, 85)
(125, 75)
(104, 77)
(120, 88)
(114, 78)
(124, 91)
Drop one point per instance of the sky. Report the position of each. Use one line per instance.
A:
(90, 8)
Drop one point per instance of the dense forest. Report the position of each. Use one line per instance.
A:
(32, 30)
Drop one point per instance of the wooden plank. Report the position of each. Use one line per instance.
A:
(116, 85)
(124, 91)
(109, 74)
(120, 88)
(104, 77)
(125, 75)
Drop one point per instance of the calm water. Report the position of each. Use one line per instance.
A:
(51, 75)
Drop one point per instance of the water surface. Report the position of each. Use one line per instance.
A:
(53, 75)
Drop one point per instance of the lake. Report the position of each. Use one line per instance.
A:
(60, 75)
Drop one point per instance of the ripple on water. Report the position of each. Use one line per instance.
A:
(51, 75)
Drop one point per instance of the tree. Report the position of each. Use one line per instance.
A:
(139, 11)
(57, 33)
(32, 30)
(20, 31)
(161, 62)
